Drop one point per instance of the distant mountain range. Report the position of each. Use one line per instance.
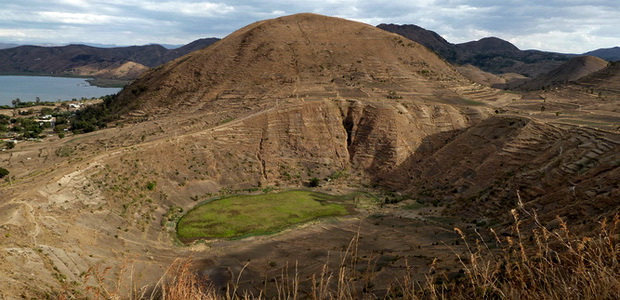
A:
(7, 45)
(491, 54)
(608, 54)
(82, 60)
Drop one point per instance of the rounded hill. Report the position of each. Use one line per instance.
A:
(297, 56)
(607, 79)
(571, 70)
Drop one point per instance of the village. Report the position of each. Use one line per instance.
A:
(38, 121)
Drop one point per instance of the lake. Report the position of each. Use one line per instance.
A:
(27, 88)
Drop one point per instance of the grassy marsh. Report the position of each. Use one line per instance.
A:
(247, 215)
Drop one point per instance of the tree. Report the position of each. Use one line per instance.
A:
(5, 119)
(46, 111)
(16, 102)
(3, 172)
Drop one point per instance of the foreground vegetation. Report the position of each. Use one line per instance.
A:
(238, 216)
(537, 264)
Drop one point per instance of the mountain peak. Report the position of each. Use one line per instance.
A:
(301, 55)
(489, 45)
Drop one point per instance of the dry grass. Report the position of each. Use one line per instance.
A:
(545, 264)
(542, 264)
(185, 284)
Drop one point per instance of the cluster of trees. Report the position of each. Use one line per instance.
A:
(30, 127)
(90, 118)
(4, 123)
(18, 103)
(95, 116)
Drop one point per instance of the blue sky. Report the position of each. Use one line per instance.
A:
(568, 26)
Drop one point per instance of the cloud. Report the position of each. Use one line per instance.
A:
(74, 18)
(555, 25)
(201, 9)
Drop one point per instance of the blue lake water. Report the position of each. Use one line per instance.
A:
(27, 88)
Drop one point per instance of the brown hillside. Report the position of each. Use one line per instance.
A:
(566, 171)
(590, 101)
(481, 77)
(607, 79)
(490, 54)
(123, 71)
(571, 70)
(501, 81)
(298, 56)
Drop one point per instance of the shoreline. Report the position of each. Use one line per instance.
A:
(52, 88)
(94, 81)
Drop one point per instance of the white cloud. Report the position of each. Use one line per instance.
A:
(26, 35)
(74, 18)
(559, 41)
(74, 3)
(202, 9)
(557, 25)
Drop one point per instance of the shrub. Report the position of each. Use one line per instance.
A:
(151, 185)
(3, 172)
(314, 182)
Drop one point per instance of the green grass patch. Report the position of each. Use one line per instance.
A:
(248, 215)
(414, 206)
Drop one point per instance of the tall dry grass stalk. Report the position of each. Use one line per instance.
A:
(185, 284)
(546, 264)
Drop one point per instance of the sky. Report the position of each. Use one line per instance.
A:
(567, 26)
